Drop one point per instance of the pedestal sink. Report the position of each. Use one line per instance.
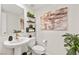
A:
(16, 44)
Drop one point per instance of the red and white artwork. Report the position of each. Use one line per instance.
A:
(57, 20)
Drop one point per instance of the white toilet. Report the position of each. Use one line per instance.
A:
(37, 49)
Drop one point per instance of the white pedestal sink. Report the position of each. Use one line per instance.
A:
(16, 44)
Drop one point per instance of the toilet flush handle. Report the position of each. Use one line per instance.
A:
(45, 42)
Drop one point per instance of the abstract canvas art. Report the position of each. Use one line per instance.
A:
(55, 20)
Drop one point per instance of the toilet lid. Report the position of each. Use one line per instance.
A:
(38, 48)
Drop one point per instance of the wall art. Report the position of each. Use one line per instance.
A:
(55, 20)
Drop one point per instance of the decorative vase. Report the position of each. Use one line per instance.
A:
(17, 35)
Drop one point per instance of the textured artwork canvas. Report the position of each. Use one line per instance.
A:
(55, 20)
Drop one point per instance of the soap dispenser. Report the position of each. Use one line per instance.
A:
(10, 38)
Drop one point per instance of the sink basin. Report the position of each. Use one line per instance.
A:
(16, 44)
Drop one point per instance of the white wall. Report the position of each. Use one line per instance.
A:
(12, 22)
(10, 15)
(54, 38)
(0, 19)
(3, 50)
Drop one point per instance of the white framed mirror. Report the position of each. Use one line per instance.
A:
(12, 15)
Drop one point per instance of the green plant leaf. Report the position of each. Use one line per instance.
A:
(29, 14)
(71, 52)
(72, 42)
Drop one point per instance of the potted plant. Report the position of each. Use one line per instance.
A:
(31, 15)
(71, 43)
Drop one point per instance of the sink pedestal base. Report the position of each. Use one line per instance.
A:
(17, 51)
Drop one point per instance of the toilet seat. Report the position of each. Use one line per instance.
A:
(38, 49)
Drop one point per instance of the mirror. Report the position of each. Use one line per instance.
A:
(12, 19)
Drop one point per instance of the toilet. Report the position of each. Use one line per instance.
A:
(37, 49)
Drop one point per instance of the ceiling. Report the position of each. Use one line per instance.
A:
(12, 8)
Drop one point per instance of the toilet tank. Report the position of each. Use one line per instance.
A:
(31, 43)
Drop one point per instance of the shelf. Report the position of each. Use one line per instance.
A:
(31, 17)
(31, 32)
(30, 21)
(31, 26)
